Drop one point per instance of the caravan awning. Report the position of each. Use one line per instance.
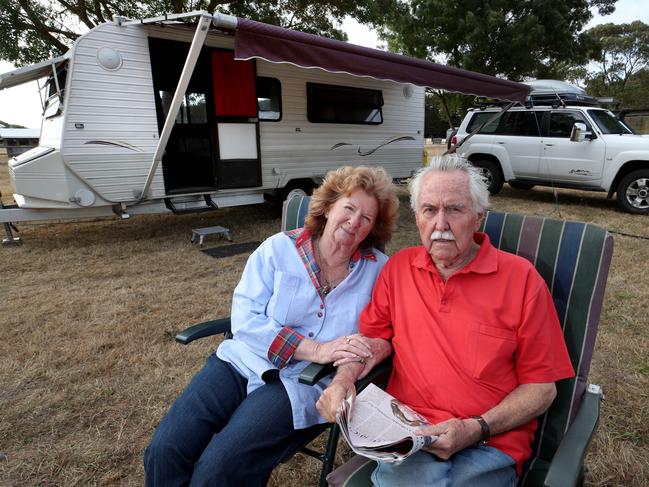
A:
(279, 45)
(29, 73)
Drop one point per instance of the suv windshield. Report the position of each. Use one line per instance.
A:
(608, 123)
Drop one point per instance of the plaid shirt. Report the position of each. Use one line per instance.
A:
(283, 347)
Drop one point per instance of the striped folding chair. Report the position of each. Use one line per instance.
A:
(574, 259)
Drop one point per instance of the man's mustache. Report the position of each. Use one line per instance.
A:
(445, 235)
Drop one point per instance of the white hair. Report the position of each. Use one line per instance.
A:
(449, 163)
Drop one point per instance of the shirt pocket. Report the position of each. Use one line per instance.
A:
(493, 353)
(285, 289)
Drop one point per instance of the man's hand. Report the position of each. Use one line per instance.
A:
(453, 435)
(341, 387)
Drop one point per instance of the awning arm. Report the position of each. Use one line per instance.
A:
(202, 29)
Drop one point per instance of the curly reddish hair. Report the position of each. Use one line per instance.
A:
(344, 181)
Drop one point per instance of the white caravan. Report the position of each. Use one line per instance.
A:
(196, 111)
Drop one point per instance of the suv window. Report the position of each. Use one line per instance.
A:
(527, 124)
(481, 117)
(561, 123)
(608, 123)
(518, 123)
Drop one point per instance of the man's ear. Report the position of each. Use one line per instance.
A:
(479, 220)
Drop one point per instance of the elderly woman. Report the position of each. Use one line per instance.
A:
(298, 301)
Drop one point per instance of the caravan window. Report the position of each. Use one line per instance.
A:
(269, 98)
(54, 90)
(193, 109)
(343, 104)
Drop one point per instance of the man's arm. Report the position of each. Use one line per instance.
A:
(520, 406)
(342, 385)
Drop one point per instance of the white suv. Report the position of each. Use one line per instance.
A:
(580, 147)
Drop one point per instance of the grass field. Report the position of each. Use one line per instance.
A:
(88, 364)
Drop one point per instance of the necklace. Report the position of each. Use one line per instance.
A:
(325, 275)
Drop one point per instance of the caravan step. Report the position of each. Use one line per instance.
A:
(201, 233)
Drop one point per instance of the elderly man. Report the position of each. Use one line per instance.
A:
(476, 340)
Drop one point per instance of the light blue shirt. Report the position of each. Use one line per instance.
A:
(276, 291)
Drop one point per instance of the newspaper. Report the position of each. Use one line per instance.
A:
(379, 427)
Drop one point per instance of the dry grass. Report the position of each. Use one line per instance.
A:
(88, 364)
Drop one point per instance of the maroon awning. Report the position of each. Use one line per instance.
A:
(279, 45)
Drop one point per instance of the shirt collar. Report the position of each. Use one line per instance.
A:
(485, 261)
(303, 239)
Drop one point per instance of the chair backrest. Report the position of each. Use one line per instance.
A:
(294, 211)
(574, 260)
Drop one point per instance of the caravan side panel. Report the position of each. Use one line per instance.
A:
(296, 148)
(111, 131)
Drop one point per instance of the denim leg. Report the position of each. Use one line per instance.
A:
(420, 469)
(483, 466)
(257, 437)
(200, 411)
(472, 467)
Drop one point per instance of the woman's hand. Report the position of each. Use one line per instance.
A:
(350, 348)
(379, 350)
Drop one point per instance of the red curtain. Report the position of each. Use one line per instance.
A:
(234, 85)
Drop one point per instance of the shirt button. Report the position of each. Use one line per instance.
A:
(311, 334)
(319, 314)
(444, 301)
(322, 306)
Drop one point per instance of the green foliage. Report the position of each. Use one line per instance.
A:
(622, 63)
(511, 38)
(33, 30)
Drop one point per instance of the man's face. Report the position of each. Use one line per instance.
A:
(445, 217)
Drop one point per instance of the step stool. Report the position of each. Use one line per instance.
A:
(203, 232)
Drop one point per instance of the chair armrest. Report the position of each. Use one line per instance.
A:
(206, 329)
(315, 372)
(567, 463)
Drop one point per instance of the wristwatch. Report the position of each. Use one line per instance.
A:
(485, 432)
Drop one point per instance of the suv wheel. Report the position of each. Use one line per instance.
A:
(517, 185)
(633, 192)
(491, 173)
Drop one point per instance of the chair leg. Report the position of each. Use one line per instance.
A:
(330, 455)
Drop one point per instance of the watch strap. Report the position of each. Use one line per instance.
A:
(485, 432)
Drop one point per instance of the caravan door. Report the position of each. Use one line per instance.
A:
(237, 124)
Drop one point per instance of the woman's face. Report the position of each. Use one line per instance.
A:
(351, 218)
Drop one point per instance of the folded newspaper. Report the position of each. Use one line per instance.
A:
(380, 427)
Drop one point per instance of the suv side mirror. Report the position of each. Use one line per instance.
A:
(579, 133)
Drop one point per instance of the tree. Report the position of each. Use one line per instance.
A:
(511, 38)
(621, 62)
(33, 30)
(516, 39)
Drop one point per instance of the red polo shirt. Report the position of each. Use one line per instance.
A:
(461, 346)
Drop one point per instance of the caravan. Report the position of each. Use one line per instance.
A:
(198, 111)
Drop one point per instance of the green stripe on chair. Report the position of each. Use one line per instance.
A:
(511, 233)
(548, 249)
(294, 211)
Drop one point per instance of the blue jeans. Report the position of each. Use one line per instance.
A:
(481, 466)
(216, 434)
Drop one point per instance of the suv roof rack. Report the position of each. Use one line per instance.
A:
(546, 93)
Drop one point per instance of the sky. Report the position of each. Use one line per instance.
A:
(21, 105)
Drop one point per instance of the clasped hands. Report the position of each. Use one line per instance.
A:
(344, 350)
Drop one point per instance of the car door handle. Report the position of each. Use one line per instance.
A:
(500, 142)
(549, 145)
